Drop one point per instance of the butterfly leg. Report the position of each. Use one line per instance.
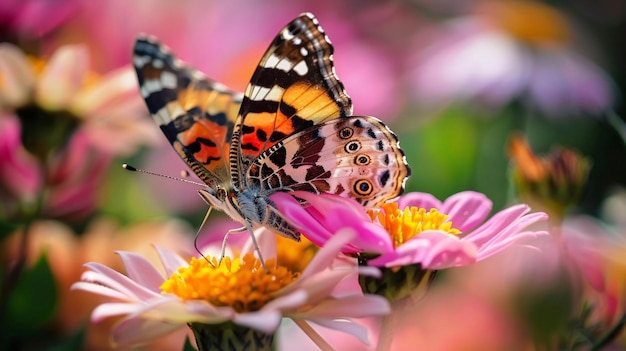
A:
(256, 246)
(248, 227)
(223, 252)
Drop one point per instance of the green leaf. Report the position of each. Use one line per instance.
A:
(73, 342)
(33, 301)
(188, 346)
(7, 228)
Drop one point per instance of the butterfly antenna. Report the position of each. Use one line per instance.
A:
(133, 169)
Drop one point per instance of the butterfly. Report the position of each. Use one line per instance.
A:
(291, 130)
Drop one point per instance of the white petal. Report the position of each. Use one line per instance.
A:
(17, 76)
(116, 85)
(107, 310)
(99, 290)
(266, 321)
(63, 77)
(136, 330)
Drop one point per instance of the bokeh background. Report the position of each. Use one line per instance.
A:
(454, 79)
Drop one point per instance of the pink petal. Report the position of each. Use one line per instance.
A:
(300, 218)
(19, 172)
(350, 307)
(322, 284)
(466, 209)
(170, 261)
(328, 252)
(119, 282)
(512, 219)
(419, 200)
(346, 326)
(63, 77)
(326, 214)
(488, 250)
(138, 330)
(141, 271)
(433, 250)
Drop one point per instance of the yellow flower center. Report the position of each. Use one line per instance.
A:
(528, 21)
(295, 255)
(241, 284)
(403, 225)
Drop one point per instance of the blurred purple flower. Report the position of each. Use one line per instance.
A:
(496, 56)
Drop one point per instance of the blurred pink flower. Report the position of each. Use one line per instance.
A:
(148, 312)
(33, 17)
(61, 125)
(495, 56)
(450, 234)
(597, 254)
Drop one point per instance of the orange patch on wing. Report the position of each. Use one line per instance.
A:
(190, 98)
(206, 132)
(268, 123)
(311, 102)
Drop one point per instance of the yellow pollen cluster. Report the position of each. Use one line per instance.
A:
(241, 284)
(403, 225)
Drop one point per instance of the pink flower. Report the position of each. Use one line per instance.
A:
(61, 125)
(417, 228)
(34, 17)
(148, 312)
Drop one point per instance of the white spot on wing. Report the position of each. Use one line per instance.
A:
(301, 68)
(140, 61)
(272, 61)
(275, 93)
(168, 79)
(285, 65)
(150, 86)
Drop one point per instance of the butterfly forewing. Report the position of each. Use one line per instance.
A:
(196, 114)
(293, 88)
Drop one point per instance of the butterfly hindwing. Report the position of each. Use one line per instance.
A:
(356, 157)
(293, 88)
(196, 114)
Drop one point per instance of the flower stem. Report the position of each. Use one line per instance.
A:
(229, 336)
(315, 337)
(399, 308)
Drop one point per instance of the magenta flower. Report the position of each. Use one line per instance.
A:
(416, 229)
(237, 290)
